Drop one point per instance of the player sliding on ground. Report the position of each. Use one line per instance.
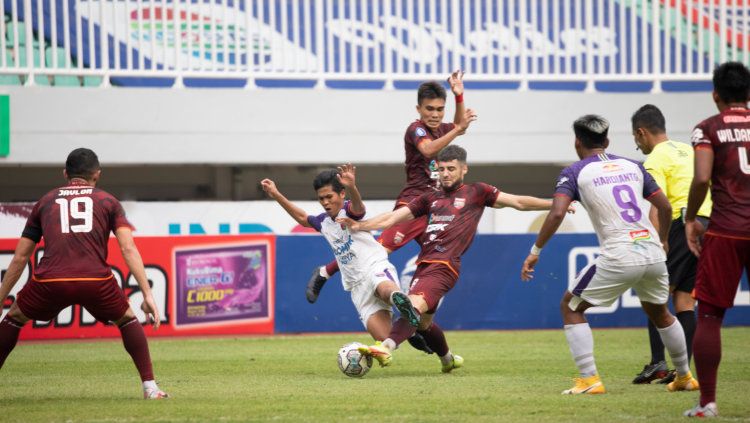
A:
(453, 215)
(613, 190)
(75, 221)
(365, 269)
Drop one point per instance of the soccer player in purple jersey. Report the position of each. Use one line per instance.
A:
(453, 215)
(75, 221)
(423, 139)
(721, 143)
(614, 191)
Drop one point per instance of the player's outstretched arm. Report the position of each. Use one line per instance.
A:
(24, 250)
(134, 262)
(347, 177)
(431, 148)
(295, 212)
(704, 163)
(560, 206)
(525, 203)
(381, 221)
(456, 81)
(663, 208)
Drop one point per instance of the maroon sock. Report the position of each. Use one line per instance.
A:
(332, 268)
(134, 339)
(435, 339)
(9, 330)
(401, 331)
(707, 349)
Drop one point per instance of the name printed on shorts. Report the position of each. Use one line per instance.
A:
(68, 192)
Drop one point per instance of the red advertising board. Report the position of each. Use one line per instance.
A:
(203, 285)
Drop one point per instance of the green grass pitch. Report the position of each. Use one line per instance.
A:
(508, 376)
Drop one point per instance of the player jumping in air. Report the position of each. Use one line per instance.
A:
(366, 271)
(75, 222)
(613, 190)
(453, 214)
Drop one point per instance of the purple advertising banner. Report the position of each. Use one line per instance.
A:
(222, 283)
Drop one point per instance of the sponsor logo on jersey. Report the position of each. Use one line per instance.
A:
(420, 132)
(459, 203)
(641, 235)
(736, 119)
(698, 138)
(436, 227)
(562, 180)
(611, 167)
(434, 218)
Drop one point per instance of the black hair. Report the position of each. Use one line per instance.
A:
(430, 90)
(328, 177)
(452, 152)
(732, 82)
(591, 130)
(649, 117)
(81, 163)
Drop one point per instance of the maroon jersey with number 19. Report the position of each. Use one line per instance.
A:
(452, 222)
(728, 135)
(75, 222)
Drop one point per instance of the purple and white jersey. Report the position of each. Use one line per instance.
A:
(614, 191)
(356, 252)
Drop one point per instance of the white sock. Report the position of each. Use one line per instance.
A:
(581, 343)
(447, 359)
(389, 343)
(323, 272)
(673, 337)
(149, 384)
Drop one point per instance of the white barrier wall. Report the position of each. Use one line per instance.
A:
(237, 217)
(284, 126)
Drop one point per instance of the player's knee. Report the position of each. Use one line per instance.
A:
(16, 314)
(129, 315)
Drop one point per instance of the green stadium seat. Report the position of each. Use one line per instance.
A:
(10, 34)
(9, 79)
(92, 81)
(60, 80)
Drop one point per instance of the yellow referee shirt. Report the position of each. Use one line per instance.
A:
(671, 165)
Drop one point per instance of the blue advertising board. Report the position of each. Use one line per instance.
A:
(489, 294)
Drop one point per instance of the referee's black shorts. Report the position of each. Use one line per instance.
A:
(681, 263)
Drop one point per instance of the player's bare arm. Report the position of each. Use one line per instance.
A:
(663, 208)
(347, 177)
(524, 203)
(381, 221)
(456, 81)
(24, 250)
(299, 215)
(432, 147)
(560, 206)
(134, 262)
(704, 161)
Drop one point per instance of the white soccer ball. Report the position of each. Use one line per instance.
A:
(353, 363)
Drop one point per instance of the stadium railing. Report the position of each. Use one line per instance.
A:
(91, 42)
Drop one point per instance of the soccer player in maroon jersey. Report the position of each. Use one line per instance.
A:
(423, 139)
(453, 215)
(721, 145)
(75, 221)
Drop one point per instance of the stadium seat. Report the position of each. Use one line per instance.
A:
(9, 79)
(60, 80)
(10, 34)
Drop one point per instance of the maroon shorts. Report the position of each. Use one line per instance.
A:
(44, 300)
(720, 269)
(432, 281)
(400, 234)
